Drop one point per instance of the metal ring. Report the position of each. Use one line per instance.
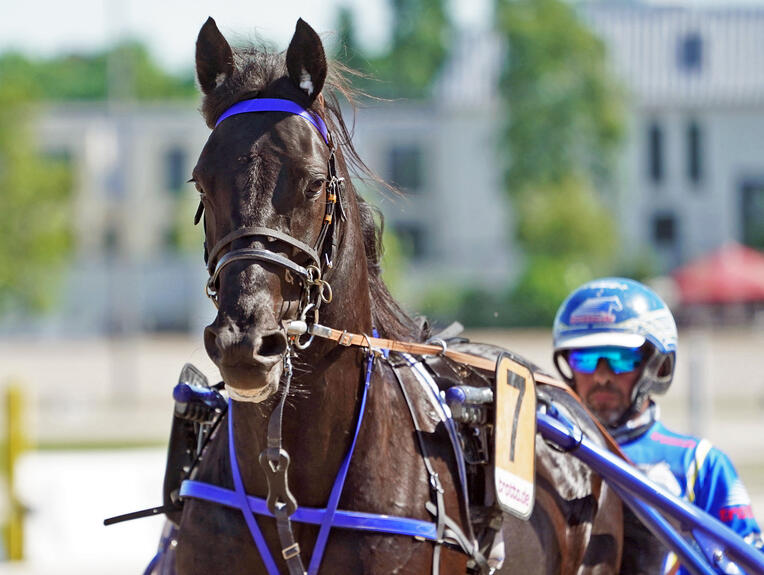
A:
(440, 342)
(325, 287)
(213, 295)
(297, 343)
(311, 279)
(304, 313)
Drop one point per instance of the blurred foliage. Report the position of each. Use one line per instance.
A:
(183, 236)
(126, 69)
(564, 123)
(418, 49)
(35, 219)
(393, 260)
(565, 114)
(565, 219)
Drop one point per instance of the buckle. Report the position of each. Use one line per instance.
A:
(292, 551)
(345, 339)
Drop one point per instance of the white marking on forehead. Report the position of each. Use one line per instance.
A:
(305, 82)
(219, 79)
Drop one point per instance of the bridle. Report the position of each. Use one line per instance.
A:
(315, 289)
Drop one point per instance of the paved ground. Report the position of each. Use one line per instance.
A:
(119, 392)
(69, 494)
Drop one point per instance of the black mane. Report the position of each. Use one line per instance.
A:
(255, 69)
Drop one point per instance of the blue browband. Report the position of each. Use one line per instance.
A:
(276, 105)
(327, 518)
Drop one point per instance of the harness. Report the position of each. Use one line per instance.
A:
(443, 531)
(280, 503)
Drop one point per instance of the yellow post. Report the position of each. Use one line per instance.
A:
(16, 444)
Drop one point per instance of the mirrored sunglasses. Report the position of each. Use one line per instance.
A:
(621, 359)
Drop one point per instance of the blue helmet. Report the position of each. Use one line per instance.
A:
(619, 312)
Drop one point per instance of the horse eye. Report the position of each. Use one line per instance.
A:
(315, 188)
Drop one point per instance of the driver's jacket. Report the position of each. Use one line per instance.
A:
(694, 470)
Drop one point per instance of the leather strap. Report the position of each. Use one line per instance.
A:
(361, 340)
(265, 232)
(275, 462)
(255, 254)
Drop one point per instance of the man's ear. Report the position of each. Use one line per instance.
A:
(306, 61)
(214, 57)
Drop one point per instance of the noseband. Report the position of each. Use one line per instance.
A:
(320, 256)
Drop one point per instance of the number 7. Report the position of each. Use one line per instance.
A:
(518, 382)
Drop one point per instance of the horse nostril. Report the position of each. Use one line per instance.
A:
(211, 342)
(274, 343)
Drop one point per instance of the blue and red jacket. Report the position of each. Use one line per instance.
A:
(694, 470)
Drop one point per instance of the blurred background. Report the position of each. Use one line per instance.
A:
(538, 143)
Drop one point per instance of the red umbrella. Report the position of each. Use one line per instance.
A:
(732, 274)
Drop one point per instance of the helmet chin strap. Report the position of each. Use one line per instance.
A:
(647, 378)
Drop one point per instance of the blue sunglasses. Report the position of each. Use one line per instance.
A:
(621, 359)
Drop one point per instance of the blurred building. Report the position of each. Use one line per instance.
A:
(691, 177)
(137, 263)
(131, 165)
(453, 219)
(692, 173)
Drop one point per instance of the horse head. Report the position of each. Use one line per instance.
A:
(268, 184)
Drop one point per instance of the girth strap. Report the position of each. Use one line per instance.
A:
(354, 520)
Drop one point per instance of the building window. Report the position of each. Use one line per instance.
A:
(175, 170)
(752, 214)
(405, 163)
(655, 152)
(694, 152)
(664, 229)
(412, 239)
(110, 239)
(691, 52)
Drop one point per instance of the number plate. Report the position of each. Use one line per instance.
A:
(515, 445)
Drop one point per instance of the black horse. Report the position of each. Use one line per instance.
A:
(287, 236)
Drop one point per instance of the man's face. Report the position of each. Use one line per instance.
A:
(606, 393)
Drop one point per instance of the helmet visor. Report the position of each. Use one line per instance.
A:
(620, 359)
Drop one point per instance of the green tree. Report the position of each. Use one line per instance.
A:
(562, 133)
(418, 48)
(421, 34)
(128, 67)
(348, 52)
(34, 193)
(564, 111)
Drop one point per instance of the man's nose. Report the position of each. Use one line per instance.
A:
(603, 372)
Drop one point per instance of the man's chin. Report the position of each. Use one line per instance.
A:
(607, 416)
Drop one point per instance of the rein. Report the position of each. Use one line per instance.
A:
(299, 327)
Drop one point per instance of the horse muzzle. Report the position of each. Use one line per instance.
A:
(251, 363)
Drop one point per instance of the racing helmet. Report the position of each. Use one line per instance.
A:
(619, 312)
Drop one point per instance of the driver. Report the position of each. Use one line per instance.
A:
(615, 344)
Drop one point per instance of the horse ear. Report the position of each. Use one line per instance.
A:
(214, 58)
(306, 61)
